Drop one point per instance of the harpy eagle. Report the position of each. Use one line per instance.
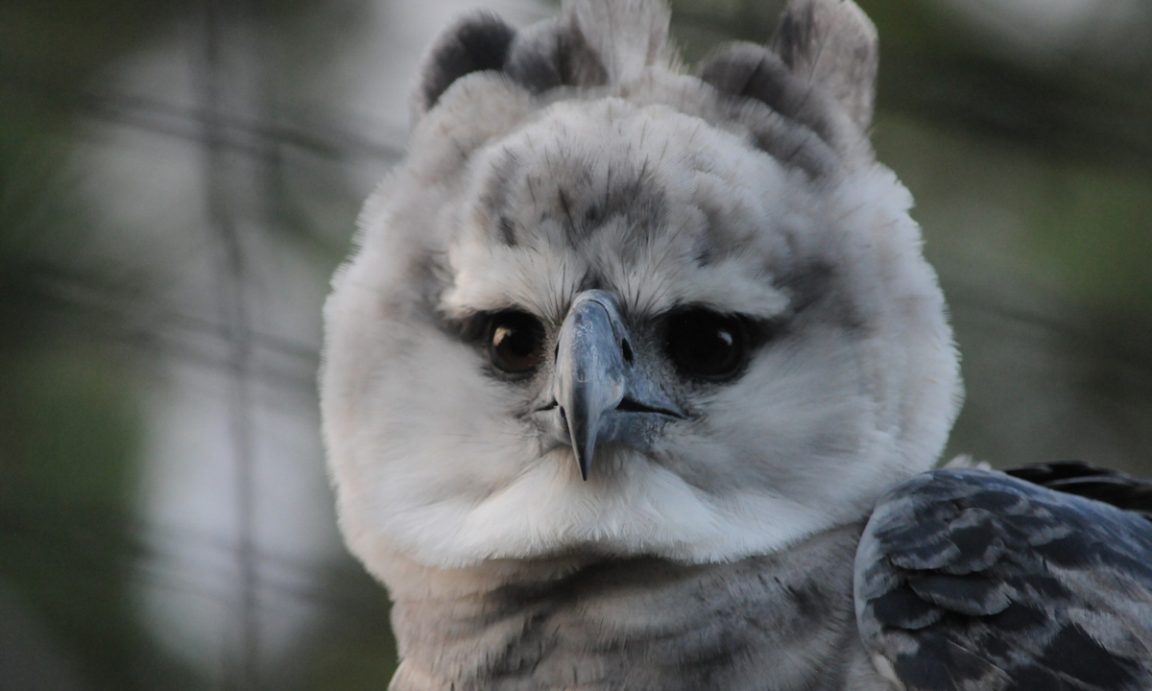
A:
(637, 378)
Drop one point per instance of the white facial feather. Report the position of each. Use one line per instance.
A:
(674, 204)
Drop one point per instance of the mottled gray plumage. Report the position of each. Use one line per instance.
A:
(971, 580)
(781, 621)
(635, 376)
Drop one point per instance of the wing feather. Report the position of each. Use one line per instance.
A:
(970, 579)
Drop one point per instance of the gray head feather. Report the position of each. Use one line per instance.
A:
(553, 54)
(833, 44)
(578, 228)
(578, 155)
(628, 35)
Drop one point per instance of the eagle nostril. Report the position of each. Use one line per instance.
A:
(626, 349)
(630, 405)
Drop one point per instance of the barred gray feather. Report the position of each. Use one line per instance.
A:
(972, 580)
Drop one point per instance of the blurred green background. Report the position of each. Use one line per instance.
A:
(179, 179)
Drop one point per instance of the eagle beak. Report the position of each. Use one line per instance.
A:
(601, 393)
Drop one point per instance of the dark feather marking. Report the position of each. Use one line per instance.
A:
(593, 215)
(494, 201)
(586, 206)
(703, 256)
(1018, 618)
(1033, 678)
(749, 72)
(905, 610)
(554, 54)
(507, 231)
(1078, 655)
(941, 665)
(794, 35)
(971, 596)
(474, 44)
(570, 224)
(1110, 486)
(831, 46)
(817, 283)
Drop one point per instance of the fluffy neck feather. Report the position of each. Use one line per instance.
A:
(772, 622)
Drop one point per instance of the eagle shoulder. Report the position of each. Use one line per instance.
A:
(971, 579)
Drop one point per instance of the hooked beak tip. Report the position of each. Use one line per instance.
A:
(583, 444)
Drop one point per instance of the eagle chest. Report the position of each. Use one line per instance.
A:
(779, 622)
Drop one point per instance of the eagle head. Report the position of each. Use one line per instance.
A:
(611, 305)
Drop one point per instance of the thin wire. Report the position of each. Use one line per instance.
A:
(63, 287)
(88, 550)
(231, 304)
(238, 133)
(164, 538)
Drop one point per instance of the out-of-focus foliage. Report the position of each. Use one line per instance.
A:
(70, 422)
(178, 179)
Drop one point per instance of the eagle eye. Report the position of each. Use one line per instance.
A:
(515, 342)
(703, 344)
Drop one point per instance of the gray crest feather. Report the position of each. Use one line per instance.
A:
(833, 44)
(552, 54)
(593, 42)
(475, 43)
(628, 35)
(750, 71)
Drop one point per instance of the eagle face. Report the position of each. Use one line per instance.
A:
(640, 315)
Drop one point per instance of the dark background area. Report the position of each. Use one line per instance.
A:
(179, 179)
